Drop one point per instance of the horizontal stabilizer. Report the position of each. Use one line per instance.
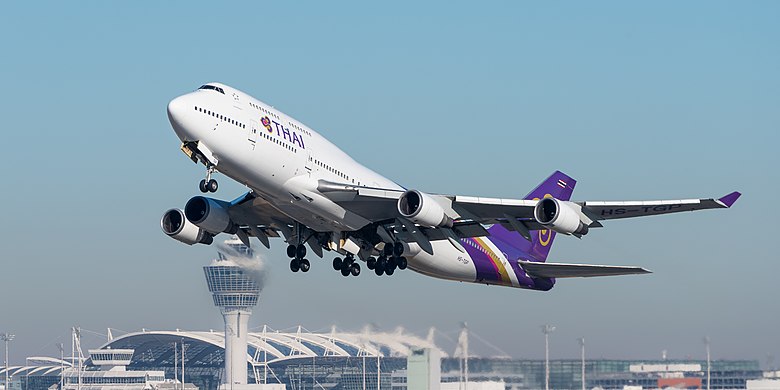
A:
(561, 270)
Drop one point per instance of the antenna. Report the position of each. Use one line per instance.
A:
(62, 364)
(582, 346)
(6, 337)
(547, 329)
(77, 352)
(707, 346)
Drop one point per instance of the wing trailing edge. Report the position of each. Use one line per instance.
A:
(563, 270)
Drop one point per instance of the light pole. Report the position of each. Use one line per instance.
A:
(6, 337)
(707, 345)
(547, 329)
(582, 352)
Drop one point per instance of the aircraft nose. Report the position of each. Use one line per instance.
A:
(177, 112)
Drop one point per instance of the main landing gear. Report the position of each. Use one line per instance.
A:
(347, 266)
(298, 262)
(208, 184)
(389, 260)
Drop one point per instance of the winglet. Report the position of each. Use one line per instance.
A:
(729, 199)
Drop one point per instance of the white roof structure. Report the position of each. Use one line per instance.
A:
(275, 346)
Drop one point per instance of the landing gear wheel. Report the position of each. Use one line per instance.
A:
(345, 271)
(402, 263)
(387, 250)
(212, 185)
(371, 263)
(389, 271)
(291, 251)
(337, 263)
(202, 186)
(354, 269)
(305, 265)
(398, 249)
(300, 251)
(295, 265)
(379, 268)
(392, 262)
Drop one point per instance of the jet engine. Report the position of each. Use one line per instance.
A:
(560, 216)
(421, 208)
(210, 215)
(176, 225)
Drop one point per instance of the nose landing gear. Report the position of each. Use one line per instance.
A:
(208, 184)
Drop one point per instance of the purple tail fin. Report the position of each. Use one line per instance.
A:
(559, 186)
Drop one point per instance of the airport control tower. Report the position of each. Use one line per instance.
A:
(235, 286)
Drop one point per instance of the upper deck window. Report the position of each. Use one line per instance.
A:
(218, 89)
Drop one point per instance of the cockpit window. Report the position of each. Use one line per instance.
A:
(218, 89)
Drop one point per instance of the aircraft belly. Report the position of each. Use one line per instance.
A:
(446, 263)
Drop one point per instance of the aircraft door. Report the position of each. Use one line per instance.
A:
(252, 134)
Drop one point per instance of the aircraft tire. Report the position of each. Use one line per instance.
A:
(295, 265)
(345, 271)
(354, 269)
(202, 186)
(379, 271)
(398, 249)
(337, 263)
(402, 263)
(389, 271)
(300, 251)
(387, 250)
(291, 251)
(212, 185)
(392, 262)
(371, 263)
(305, 265)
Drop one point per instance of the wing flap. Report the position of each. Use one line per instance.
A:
(563, 270)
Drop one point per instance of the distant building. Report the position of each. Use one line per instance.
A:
(342, 360)
(423, 369)
(107, 371)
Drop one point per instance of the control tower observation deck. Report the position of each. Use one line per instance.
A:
(233, 279)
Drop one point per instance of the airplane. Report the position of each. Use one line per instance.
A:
(308, 191)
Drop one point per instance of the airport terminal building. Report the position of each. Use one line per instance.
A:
(339, 360)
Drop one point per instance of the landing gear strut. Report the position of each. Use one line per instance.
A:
(208, 184)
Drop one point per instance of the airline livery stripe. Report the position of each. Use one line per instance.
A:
(497, 263)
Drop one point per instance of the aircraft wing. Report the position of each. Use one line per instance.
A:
(256, 217)
(563, 270)
(378, 204)
(614, 210)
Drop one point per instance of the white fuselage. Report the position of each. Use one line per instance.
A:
(283, 160)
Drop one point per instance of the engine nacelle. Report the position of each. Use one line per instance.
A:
(210, 215)
(421, 208)
(560, 216)
(176, 226)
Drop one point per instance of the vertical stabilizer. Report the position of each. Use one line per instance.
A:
(559, 186)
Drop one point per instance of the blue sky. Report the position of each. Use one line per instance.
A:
(634, 100)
